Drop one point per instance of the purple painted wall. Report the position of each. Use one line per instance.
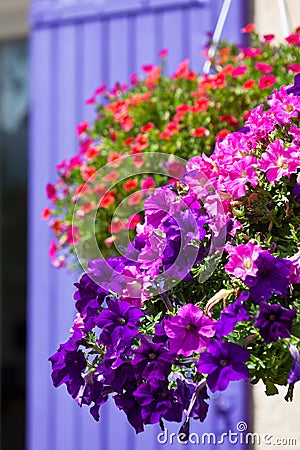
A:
(76, 46)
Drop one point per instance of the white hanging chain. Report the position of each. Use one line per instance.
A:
(285, 23)
(217, 35)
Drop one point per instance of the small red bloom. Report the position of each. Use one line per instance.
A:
(231, 120)
(293, 39)
(112, 176)
(107, 200)
(266, 81)
(239, 71)
(263, 67)
(248, 28)
(295, 67)
(130, 185)
(46, 213)
(268, 37)
(133, 221)
(51, 191)
(135, 198)
(201, 131)
(100, 90)
(82, 128)
(163, 53)
(148, 183)
(147, 127)
(116, 227)
(127, 123)
(249, 84)
(222, 134)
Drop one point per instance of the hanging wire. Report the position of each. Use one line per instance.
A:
(285, 22)
(217, 35)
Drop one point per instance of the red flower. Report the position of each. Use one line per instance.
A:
(46, 213)
(135, 198)
(112, 176)
(91, 152)
(248, 28)
(293, 39)
(163, 53)
(266, 81)
(148, 183)
(127, 123)
(82, 128)
(133, 221)
(295, 67)
(263, 67)
(114, 160)
(201, 104)
(116, 227)
(201, 131)
(231, 120)
(147, 127)
(222, 134)
(130, 185)
(107, 200)
(51, 191)
(268, 37)
(239, 71)
(249, 84)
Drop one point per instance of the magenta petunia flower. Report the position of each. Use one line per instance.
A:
(278, 161)
(242, 260)
(190, 331)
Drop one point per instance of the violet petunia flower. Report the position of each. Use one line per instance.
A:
(223, 362)
(128, 403)
(190, 331)
(68, 364)
(294, 374)
(155, 400)
(272, 276)
(296, 192)
(274, 321)
(119, 321)
(295, 89)
(231, 315)
(89, 297)
(152, 361)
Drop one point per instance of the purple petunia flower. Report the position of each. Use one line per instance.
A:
(156, 401)
(68, 363)
(152, 361)
(296, 192)
(223, 362)
(117, 373)
(295, 89)
(192, 399)
(89, 297)
(231, 315)
(189, 331)
(274, 321)
(294, 374)
(272, 276)
(128, 403)
(119, 322)
(93, 391)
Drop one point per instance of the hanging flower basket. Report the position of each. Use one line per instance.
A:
(208, 291)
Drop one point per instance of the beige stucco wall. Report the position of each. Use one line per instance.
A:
(267, 16)
(13, 19)
(273, 415)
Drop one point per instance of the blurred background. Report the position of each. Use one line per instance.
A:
(62, 37)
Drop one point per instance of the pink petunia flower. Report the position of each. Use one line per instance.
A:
(190, 331)
(242, 259)
(263, 67)
(278, 161)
